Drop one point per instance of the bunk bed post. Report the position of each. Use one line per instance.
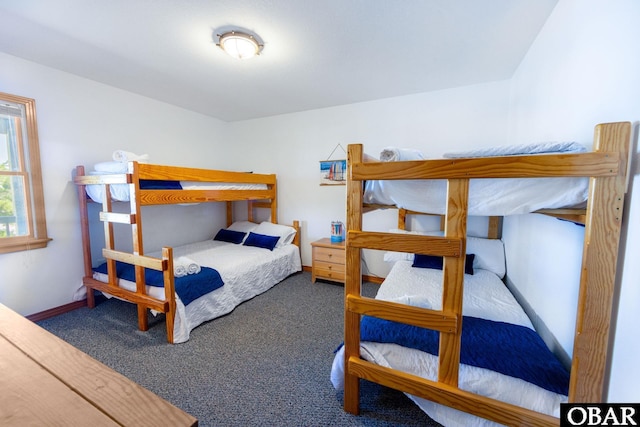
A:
(353, 281)
(494, 230)
(86, 236)
(230, 213)
(169, 290)
(402, 218)
(453, 276)
(136, 232)
(597, 281)
(274, 204)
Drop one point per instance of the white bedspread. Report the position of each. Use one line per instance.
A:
(485, 296)
(246, 271)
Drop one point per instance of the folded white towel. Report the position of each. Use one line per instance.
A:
(183, 266)
(395, 154)
(127, 156)
(179, 271)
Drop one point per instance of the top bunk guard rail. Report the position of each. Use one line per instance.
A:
(146, 197)
(265, 197)
(522, 166)
(607, 169)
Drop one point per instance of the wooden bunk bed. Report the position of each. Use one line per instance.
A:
(148, 184)
(607, 169)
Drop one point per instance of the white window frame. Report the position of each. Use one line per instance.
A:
(30, 170)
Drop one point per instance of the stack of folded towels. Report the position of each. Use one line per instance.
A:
(183, 266)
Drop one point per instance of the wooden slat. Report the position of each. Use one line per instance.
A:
(452, 279)
(491, 409)
(141, 260)
(131, 296)
(578, 216)
(411, 243)
(166, 197)
(32, 396)
(424, 318)
(599, 263)
(120, 218)
(82, 179)
(178, 173)
(124, 401)
(547, 165)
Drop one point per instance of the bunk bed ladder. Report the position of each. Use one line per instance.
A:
(137, 258)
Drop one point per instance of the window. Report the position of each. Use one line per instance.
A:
(22, 216)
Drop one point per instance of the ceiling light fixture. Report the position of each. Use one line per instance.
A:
(239, 45)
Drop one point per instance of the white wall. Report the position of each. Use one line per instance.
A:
(583, 69)
(294, 144)
(83, 122)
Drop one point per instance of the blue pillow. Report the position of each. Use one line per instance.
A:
(435, 262)
(230, 236)
(261, 241)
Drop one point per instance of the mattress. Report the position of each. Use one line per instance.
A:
(120, 192)
(485, 296)
(487, 197)
(246, 271)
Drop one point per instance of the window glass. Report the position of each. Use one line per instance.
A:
(22, 216)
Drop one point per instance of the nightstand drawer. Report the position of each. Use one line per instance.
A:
(329, 266)
(329, 255)
(330, 273)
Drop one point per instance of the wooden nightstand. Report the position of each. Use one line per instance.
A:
(328, 260)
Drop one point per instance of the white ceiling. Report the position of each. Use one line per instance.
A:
(317, 53)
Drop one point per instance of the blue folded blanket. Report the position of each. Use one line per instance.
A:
(188, 288)
(509, 349)
(159, 184)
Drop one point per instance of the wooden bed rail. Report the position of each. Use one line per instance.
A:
(607, 168)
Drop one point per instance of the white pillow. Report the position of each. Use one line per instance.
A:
(489, 254)
(391, 256)
(285, 232)
(243, 226)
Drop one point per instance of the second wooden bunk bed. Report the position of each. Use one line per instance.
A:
(607, 167)
(258, 190)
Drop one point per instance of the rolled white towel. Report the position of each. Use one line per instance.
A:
(193, 268)
(183, 266)
(395, 154)
(127, 156)
(179, 271)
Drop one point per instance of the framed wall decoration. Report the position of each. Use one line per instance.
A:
(333, 172)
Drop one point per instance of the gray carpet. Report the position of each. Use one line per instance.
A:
(265, 364)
